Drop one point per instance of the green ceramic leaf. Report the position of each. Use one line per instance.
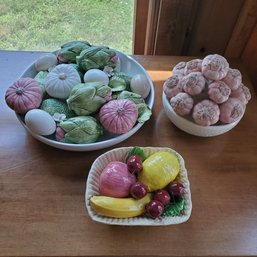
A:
(144, 112)
(174, 209)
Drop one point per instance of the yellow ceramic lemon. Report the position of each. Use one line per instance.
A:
(159, 170)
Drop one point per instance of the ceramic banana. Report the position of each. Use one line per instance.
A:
(119, 207)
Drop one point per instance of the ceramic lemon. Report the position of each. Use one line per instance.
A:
(159, 170)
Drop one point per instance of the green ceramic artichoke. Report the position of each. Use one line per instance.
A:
(87, 98)
(96, 57)
(81, 130)
(70, 50)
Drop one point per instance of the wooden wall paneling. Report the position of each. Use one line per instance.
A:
(242, 30)
(152, 26)
(213, 26)
(140, 25)
(249, 57)
(174, 22)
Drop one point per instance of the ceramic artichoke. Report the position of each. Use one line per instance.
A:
(70, 50)
(81, 130)
(87, 98)
(97, 57)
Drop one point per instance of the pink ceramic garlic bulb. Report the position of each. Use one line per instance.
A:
(233, 78)
(118, 116)
(179, 69)
(193, 83)
(182, 103)
(171, 86)
(215, 67)
(231, 110)
(242, 93)
(219, 92)
(115, 180)
(193, 66)
(206, 113)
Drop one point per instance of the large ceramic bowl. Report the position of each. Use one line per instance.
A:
(192, 128)
(119, 154)
(128, 65)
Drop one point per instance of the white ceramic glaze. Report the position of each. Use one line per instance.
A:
(193, 128)
(119, 154)
(128, 65)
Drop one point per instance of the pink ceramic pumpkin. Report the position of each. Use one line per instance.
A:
(182, 103)
(231, 110)
(206, 113)
(219, 92)
(25, 94)
(118, 116)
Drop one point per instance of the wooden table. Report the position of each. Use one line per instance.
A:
(42, 210)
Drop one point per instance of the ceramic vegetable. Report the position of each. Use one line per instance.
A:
(117, 84)
(136, 98)
(179, 69)
(182, 103)
(40, 122)
(96, 75)
(118, 116)
(70, 50)
(140, 85)
(87, 98)
(242, 93)
(193, 83)
(45, 62)
(81, 130)
(171, 86)
(61, 80)
(115, 180)
(231, 110)
(119, 207)
(206, 113)
(41, 79)
(215, 67)
(23, 95)
(193, 66)
(233, 78)
(52, 106)
(219, 92)
(96, 57)
(159, 169)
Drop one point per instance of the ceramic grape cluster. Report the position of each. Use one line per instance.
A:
(207, 91)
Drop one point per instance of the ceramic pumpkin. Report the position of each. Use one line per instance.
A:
(61, 80)
(25, 94)
(118, 116)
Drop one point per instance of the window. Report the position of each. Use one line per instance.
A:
(44, 25)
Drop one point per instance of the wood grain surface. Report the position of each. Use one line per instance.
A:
(42, 209)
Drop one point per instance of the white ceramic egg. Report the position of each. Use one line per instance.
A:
(140, 85)
(95, 75)
(40, 122)
(45, 62)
